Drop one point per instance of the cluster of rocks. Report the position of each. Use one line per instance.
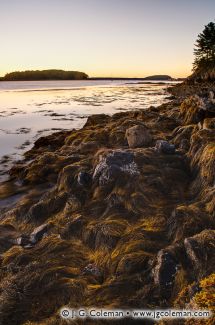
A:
(35, 236)
(10, 236)
(126, 213)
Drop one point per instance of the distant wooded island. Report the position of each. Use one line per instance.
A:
(54, 74)
(158, 77)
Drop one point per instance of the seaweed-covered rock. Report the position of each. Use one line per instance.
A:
(72, 205)
(200, 250)
(73, 228)
(186, 221)
(97, 119)
(164, 147)
(184, 145)
(138, 136)
(120, 223)
(46, 206)
(87, 147)
(132, 263)
(209, 124)
(195, 109)
(192, 109)
(8, 237)
(105, 234)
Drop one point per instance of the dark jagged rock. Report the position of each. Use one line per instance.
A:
(92, 269)
(113, 165)
(165, 271)
(24, 241)
(84, 178)
(164, 147)
(39, 233)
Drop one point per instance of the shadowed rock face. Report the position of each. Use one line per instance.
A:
(103, 220)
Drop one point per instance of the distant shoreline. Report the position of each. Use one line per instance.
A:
(143, 78)
(55, 75)
(102, 79)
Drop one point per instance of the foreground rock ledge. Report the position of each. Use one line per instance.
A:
(89, 219)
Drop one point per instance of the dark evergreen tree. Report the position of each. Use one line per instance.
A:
(205, 47)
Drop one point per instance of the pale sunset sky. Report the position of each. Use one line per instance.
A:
(116, 38)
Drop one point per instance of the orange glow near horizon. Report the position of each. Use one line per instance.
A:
(102, 38)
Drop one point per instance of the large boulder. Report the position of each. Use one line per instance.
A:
(138, 136)
(114, 164)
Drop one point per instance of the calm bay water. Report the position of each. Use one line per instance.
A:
(29, 110)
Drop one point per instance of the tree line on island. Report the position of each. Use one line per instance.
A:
(51, 74)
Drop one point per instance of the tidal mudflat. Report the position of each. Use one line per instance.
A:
(29, 110)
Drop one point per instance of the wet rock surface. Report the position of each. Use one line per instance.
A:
(99, 215)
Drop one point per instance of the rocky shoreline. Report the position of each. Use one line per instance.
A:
(118, 214)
